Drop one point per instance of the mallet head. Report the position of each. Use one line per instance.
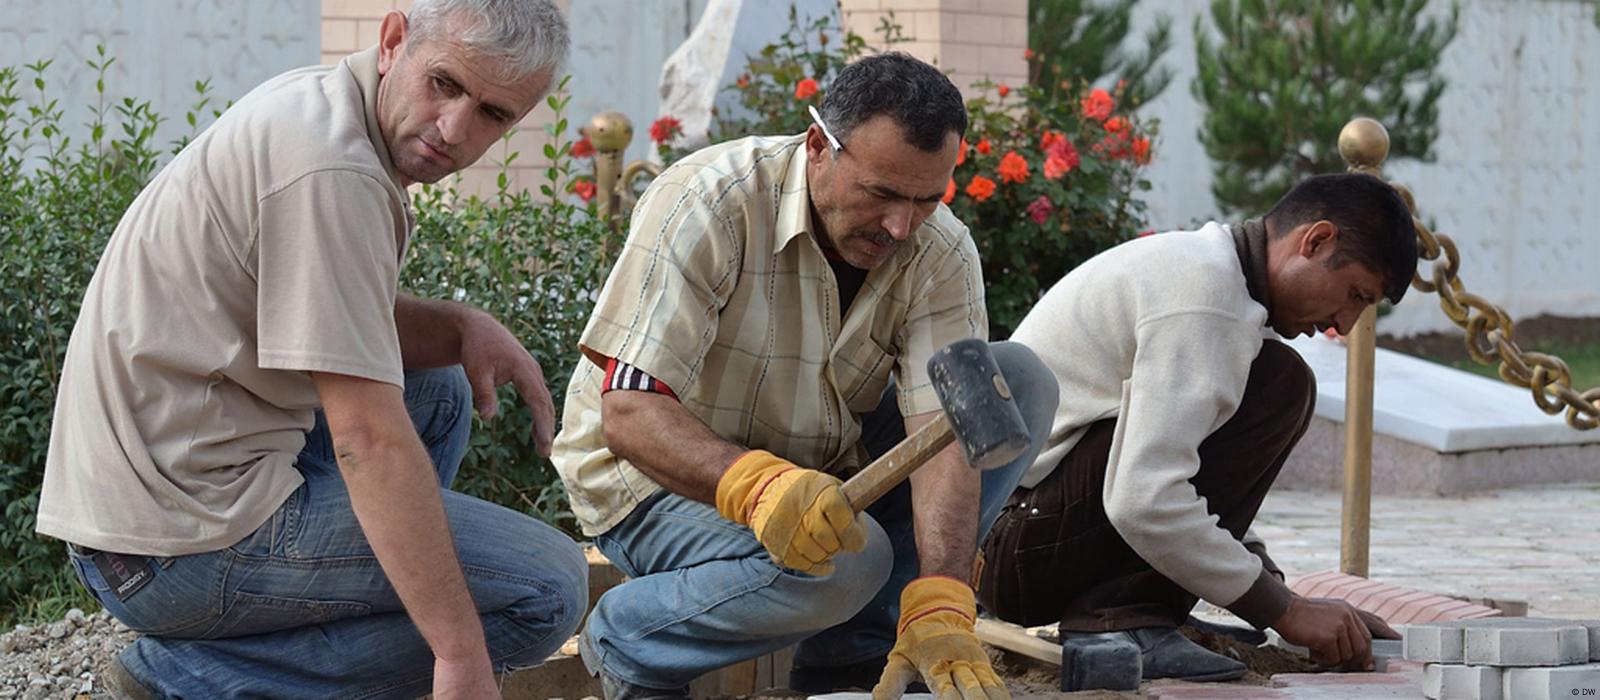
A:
(978, 403)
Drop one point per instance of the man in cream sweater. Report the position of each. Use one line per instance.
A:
(1176, 414)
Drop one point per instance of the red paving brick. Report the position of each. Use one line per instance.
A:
(1395, 604)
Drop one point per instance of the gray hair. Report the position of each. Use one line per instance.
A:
(527, 36)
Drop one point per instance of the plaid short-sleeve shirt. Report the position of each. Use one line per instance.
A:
(723, 293)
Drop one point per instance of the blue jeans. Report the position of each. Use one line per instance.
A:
(300, 608)
(704, 594)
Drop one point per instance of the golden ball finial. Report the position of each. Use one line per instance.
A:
(609, 131)
(1364, 143)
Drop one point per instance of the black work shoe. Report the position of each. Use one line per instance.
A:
(1165, 653)
(860, 676)
(615, 688)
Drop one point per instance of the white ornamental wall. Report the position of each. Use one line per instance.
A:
(1516, 181)
(161, 48)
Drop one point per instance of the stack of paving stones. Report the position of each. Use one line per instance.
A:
(1512, 658)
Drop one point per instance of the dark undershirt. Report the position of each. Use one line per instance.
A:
(849, 278)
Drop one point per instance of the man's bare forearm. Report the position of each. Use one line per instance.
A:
(395, 494)
(429, 330)
(668, 443)
(944, 495)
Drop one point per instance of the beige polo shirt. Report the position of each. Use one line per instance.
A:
(268, 247)
(723, 293)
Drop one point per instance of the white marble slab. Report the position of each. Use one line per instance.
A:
(1438, 407)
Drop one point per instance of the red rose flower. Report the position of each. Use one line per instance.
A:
(1060, 160)
(805, 88)
(583, 148)
(1097, 105)
(983, 146)
(1003, 90)
(584, 188)
(1141, 150)
(665, 129)
(1041, 209)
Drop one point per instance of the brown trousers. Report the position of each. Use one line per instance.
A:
(1053, 555)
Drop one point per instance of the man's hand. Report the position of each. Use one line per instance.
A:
(937, 642)
(1333, 630)
(1376, 626)
(468, 679)
(492, 356)
(799, 515)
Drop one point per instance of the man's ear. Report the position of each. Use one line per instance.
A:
(817, 146)
(1320, 238)
(391, 38)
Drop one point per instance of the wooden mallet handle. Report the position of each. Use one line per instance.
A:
(888, 470)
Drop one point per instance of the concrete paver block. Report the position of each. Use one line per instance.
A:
(1458, 682)
(1526, 642)
(1563, 682)
(1434, 643)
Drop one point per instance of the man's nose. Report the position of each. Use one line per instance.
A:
(897, 221)
(453, 122)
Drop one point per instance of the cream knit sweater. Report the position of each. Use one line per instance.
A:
(1160, 333)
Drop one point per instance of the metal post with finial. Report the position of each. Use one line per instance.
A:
(1364, 144)
(610, 132)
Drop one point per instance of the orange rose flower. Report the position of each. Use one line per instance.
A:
(1003, 90)
(1116, 125)
(1050, 138)
(981, 188)
(1097, 105)
(961, 152)
(805, 88)
(1027, 54)
(1013, 168)
(949, 192)
(983, 146)
(584, 188)
(1141, 150)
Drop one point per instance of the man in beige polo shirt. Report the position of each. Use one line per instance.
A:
(765, 332)
(255, 431)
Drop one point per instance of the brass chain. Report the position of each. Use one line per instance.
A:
(1491, 334)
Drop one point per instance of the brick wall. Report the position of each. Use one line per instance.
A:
(973, 39)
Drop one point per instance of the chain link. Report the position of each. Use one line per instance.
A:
(1491, 335)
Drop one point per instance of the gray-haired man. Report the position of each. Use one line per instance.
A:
(254, 426)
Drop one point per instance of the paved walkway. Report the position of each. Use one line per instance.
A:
(1540, 545)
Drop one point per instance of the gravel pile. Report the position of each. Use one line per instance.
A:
(62, 659)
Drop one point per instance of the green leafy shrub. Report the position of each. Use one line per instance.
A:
(1047, 178)
(58, 204)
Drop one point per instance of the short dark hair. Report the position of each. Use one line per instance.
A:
(919, 98)
(1375, 226)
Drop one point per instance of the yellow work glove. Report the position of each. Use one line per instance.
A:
(936, 641)
(799, 515)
